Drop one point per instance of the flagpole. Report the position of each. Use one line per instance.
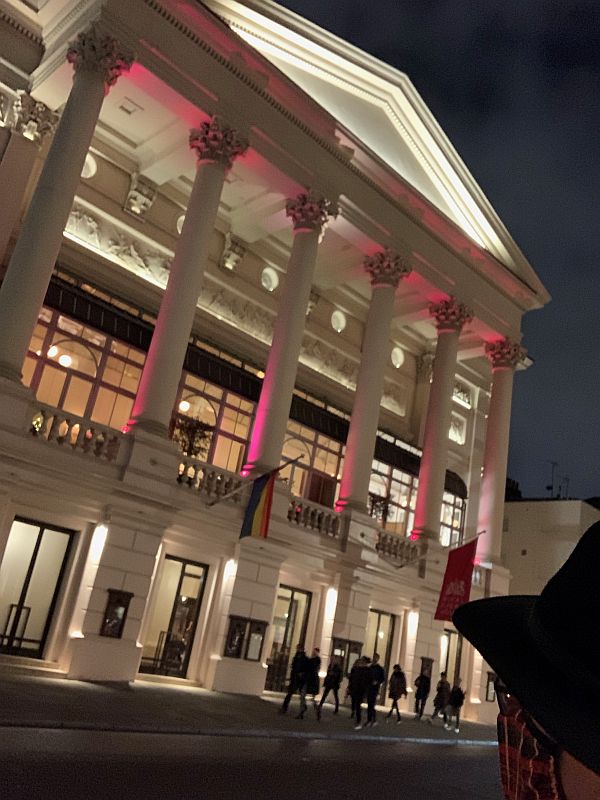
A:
(243, 485)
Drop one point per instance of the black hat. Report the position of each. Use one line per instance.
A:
(546, 648)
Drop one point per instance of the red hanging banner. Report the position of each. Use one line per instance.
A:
(456, 588)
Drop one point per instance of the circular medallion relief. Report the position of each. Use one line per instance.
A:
(338, 321)
(397, 357)
(269, 279)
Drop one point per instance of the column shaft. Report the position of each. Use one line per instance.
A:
(360, 445)
(37, 248)
(309, 213)
(432, 472)
(162, 371)
(495, 459)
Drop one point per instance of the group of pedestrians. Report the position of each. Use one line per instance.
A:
(447, 702)
(365, 680)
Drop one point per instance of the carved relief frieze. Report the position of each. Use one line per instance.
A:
(329, 362)
(394, 399)
(118, 243)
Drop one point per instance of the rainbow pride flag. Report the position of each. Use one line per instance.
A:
(258, 512)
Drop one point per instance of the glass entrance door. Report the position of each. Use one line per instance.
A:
(289, 629)
(380, 632)
(30, 577)
(174, 616)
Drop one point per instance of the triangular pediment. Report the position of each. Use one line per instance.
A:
(378, 110)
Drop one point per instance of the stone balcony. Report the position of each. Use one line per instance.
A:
(67, 433)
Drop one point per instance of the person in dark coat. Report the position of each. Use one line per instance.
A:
(376, 679)
(332, 683)
(298, 676)
(312, 676)
(455, 703)
(442, 696)
(423, 684)
(358, 683)
(396, 690)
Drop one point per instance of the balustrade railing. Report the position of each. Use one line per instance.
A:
(317, 518)
(213, 482)
(75, 433)
(401, 550)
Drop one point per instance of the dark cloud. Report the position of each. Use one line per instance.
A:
(516, 87)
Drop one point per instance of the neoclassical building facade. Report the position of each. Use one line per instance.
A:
(232, 242)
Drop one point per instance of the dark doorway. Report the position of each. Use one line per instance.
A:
(292, 608)
(174, 616)
(31, 574)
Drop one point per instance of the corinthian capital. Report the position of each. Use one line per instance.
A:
(215, 141)
(32, 118)
(386, 268)
(504, 353)
(309, 211)
(97, 51)
(450, 315)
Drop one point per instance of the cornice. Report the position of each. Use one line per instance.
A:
(21, 27)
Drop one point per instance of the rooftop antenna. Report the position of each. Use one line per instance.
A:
(550, 487)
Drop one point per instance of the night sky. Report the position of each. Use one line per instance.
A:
(515, 84)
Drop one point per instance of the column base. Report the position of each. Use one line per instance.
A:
(237, 676)
(100, 658)
(147, 426)
(254, 471)
(347, 503)
(16, 405)
(8, 372)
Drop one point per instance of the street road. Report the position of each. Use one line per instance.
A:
(40, 764)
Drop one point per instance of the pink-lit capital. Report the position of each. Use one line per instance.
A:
(450, 315)
(504, 354)
(387, 268)
(97, 51)
(216, 141)
(309, 211)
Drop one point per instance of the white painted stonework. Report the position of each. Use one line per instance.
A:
(117, 362)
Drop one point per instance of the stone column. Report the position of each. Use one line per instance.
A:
(98, 61)
(450, 316)
(216, 146)
(309, 213)
(386, 269)
(28, 124)
(504, 355)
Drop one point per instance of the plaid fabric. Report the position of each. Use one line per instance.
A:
(528, 769)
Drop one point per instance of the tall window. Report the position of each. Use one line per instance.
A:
(82, 371)
(228, 415)
(452, 518)
(316, 475)
(392, 498)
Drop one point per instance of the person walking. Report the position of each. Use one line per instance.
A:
(442, 696)
(455, 703)
(396, 690)
(298, 675)
(312, 676)
(376, 679)
(332, 683)
(358, 683)
(423, 684)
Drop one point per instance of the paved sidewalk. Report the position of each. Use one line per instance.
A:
(148, 707)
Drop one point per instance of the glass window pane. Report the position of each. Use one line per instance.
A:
(29, 366)
(17, 557)
(51, 385)
(121, 411)
(228, 454)
(162, 606)
(77, 396)
(104, 406)
(43, 582)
